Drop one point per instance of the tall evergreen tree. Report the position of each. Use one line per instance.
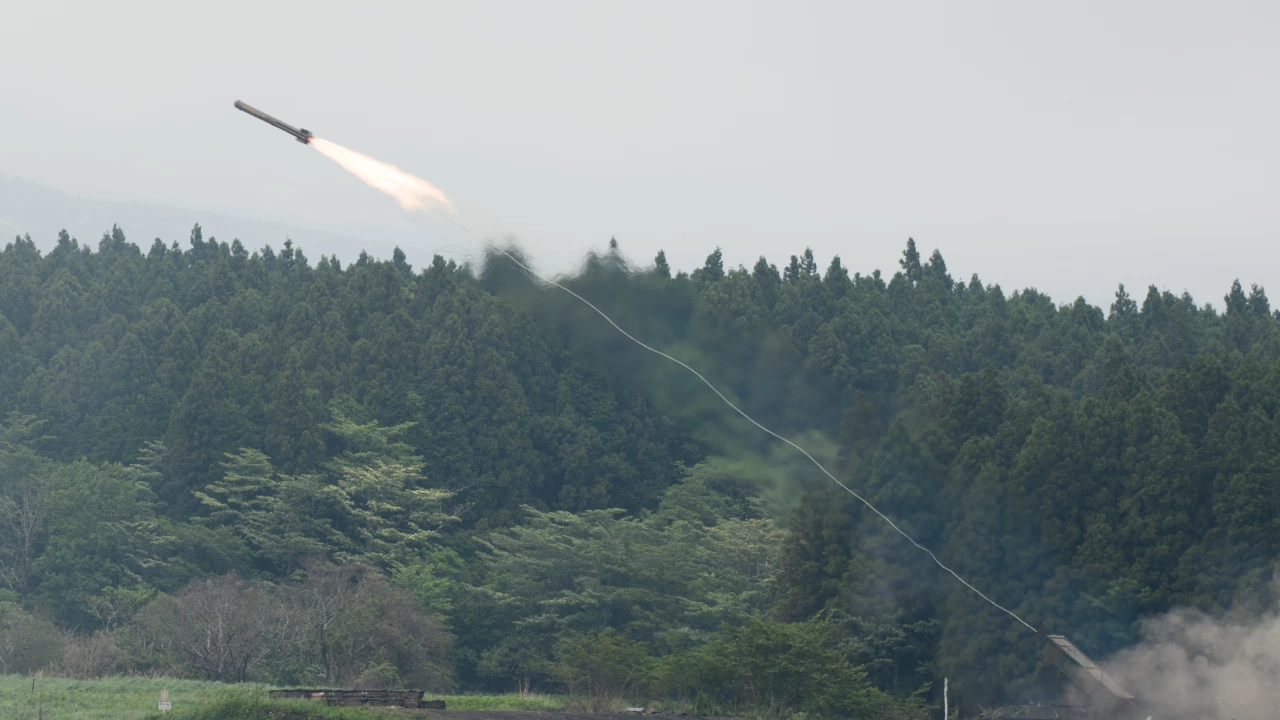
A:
(207, 424)
(713, 269)
(793, 271)
(768, 280)
(661, 266)
(808, 266)
(16, 363)
(910, 262)
(292, 437)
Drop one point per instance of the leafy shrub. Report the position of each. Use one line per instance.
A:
(27, 642)
(600, 670)
(776, 669)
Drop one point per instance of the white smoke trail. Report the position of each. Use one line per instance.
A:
(412, 192)
(416, 194)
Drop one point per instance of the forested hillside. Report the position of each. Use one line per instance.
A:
(335, 453)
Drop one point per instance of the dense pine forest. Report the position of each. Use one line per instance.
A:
(455, 477)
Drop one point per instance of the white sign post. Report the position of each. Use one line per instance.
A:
(165, 705)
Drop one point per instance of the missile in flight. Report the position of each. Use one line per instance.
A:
(302, 135)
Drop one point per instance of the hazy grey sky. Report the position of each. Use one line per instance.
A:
(1067, 146)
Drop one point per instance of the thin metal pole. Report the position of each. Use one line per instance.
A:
(946, 711)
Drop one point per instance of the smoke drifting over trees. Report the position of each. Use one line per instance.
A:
(1190, 666)
(183, 416)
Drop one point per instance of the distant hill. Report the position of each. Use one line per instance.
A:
(42, 212)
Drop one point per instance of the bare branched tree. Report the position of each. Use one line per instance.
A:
(319, 603)
(220, 629)
(24, 508)
(343, 626)
(89, 657)
(366, 632)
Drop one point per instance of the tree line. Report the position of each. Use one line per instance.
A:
(525, 487)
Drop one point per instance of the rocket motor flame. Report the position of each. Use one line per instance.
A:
(413, 193)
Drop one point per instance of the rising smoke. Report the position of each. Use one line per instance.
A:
(1190, 666)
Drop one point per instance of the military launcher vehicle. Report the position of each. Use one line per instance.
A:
(1103, 697)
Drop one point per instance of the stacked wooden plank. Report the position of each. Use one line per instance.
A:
(381, 698)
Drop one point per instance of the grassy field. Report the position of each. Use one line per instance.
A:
(502, 702)
(286, 710)
(114, 698)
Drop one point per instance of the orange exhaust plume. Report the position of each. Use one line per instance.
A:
(413, 193)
